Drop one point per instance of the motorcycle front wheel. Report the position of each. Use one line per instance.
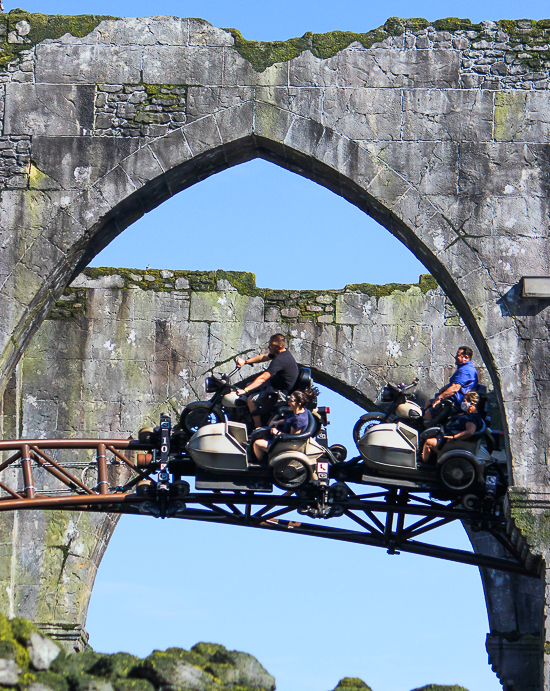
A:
(365, 423)
(198, 414)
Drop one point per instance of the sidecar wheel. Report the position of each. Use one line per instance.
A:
(290, 473)
(364, 423)
(456, 473)
(198, 414)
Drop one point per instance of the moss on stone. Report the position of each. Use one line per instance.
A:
(22, 630)
(43, 26)
(352, 684)
(509, 109)
(264, 54)
(533, 524)
(12, 640)
(73, 666)
(426, 282)
(118, 665)
(47, 679)
(453, 24)
(132, 685)
(71, 307)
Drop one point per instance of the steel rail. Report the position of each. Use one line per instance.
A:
(301, 528)
(130, 503)
(16, 444)
(275, 500)
(412, 547)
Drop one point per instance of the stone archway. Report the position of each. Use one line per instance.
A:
(395, 122)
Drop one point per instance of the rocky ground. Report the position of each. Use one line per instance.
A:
(30, 661)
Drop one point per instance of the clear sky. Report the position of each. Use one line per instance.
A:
(310, 610)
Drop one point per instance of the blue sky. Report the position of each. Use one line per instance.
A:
(310, 610)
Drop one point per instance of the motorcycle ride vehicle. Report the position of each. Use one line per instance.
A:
(390, 445)
(225, 404)
(223, 455)
(397, 403)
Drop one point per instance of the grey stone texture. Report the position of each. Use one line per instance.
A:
(442, 136)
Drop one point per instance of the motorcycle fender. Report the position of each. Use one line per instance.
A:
(232, 400)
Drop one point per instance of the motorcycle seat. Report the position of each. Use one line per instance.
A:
(304, 381)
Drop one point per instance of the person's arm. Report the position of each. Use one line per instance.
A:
(447, 392)
(264, 357)
(264, 376)
(468, 432)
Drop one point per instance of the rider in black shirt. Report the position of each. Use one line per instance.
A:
(281, 375)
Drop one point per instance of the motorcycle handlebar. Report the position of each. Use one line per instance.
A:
(230, 374)
(410, 386)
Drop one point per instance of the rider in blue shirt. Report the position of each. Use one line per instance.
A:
(464, 379)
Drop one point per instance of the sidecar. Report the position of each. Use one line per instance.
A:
(293, 459)
(393, 451)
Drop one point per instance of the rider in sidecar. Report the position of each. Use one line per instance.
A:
(459, 428)
(294, 422)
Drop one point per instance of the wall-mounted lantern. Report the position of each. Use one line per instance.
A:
(535, 287)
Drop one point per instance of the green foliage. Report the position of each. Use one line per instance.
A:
(132, 685)
(439, 687)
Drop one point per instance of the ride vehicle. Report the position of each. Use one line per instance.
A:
(223, 456)
(226, 404)
(390, 445)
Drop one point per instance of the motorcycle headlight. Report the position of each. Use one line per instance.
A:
(210, 384)
(386, 395)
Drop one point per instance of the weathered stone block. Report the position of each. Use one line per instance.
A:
(49, 109)
(142, 31)
(77, 162)
(392, 68)
(363, 113)
(450, 114)
(239, 72)
(307, 70)
(202, 135)
(165, 65)
(88, 64)
(201, 33)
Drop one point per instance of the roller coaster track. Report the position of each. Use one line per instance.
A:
(108, 475)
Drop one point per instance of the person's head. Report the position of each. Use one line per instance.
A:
(297, 401)
(470, 402)
(310, 396)
(463, 354)
(277, 343)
